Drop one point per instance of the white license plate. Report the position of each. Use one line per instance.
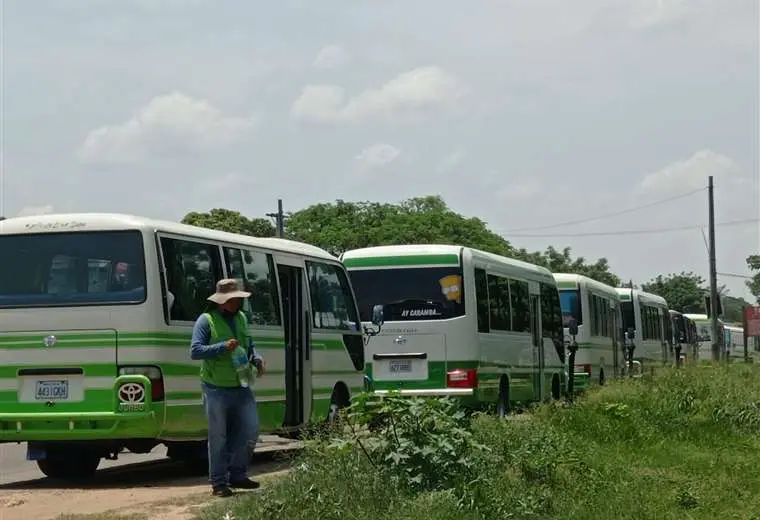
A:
(52, 390)
(400, 366)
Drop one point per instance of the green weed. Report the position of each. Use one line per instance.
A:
(681, 445)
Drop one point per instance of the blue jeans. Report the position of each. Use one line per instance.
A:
(233, 421)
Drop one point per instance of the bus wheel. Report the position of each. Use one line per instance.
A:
(503, 404)
(69, 463)
(602, 379)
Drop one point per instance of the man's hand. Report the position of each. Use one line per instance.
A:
(231, 344)
(261, 367)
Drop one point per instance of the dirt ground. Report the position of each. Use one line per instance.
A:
(161, 489)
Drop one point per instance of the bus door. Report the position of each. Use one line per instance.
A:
(538, 345)
(615, 326)
(296, 324)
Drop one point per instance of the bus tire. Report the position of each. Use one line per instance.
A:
(503, 406)
(339, 400)
(602, 379)
(69, 463)
(556, 387)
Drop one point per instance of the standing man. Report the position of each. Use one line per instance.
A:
(230, 408)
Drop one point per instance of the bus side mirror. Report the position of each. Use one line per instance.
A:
(377, 316)
(572, 327)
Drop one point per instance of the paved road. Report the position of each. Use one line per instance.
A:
(15, 470)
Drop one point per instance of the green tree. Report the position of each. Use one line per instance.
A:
(684, 292)
(561, 262)
(733, 308)
(343, 225)
(231, 221)
(753, 262)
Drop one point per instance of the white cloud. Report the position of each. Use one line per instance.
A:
(451, 161)
(330, 57)
(377, 155)
(172, 122)
(691, 173)
(29, 211)
(406, 96)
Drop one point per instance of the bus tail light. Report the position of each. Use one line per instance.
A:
(152, 373)
(583, 368)
(462, 378)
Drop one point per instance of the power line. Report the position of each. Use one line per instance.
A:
(624, 232)
(612, 214)
(731, 275)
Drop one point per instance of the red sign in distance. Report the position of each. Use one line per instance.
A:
(752, 316)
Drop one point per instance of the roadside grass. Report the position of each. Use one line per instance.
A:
(683, 445)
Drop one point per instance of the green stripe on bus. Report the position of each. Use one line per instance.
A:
(154, 339)
(391, 261)
(567, 285)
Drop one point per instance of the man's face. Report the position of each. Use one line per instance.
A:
(232, 305)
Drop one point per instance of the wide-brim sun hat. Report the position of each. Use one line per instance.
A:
(227, 289)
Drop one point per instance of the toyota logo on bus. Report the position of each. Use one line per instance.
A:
(49, 341)
(132, 393)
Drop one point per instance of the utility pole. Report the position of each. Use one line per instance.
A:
(279, 219)
(713, 273)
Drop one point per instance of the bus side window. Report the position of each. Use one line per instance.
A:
(192, 269)
(255, 271)
(481, 296)
(498, 295)
(520, 304)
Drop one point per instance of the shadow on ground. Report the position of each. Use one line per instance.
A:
(159, 473)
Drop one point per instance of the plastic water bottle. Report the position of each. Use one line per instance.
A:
(242, 367)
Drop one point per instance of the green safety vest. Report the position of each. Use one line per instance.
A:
(220, 371)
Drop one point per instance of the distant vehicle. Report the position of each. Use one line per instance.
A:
(460, 322)
(704, 336)
(647, 316)
(684, 335)
(734, 342)
(96, 314)
(595, 307)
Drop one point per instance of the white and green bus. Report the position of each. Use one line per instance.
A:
(648, 316)
(595, 307)
(734, 342)
(704, 336)
(96, 314)
(460, 322)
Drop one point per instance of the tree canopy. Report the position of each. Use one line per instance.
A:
(684, 291)
(561, 262)
(424, 220)
(231, 221)
(753, 262)
(342, 225)
(687, 292)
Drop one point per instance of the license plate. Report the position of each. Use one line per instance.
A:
(52, 390)
(398, 366)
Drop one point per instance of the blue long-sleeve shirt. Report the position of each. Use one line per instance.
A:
(201, 349)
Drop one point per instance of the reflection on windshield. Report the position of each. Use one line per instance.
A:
(424, 293)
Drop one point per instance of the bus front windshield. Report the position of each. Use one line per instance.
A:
(570, 301)
(410, 293)
(71, 269)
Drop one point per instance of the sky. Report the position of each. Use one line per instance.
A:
(537, 116)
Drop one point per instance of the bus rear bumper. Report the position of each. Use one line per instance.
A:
(427, 392)
(130, 418)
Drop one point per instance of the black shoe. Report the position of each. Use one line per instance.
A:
(246, 483)
(222, 491)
